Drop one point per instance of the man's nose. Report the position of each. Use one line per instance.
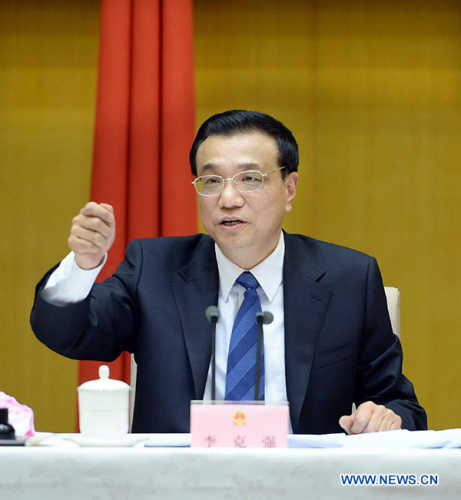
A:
(230, 195)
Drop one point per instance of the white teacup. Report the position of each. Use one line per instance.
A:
(104, 406)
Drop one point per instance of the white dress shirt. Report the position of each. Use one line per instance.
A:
(269, 274)
(69, 283)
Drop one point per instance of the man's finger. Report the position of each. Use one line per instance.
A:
(95, 237)
(108, 207)
(346, 422)
(391, 421)
(361, 418)
(103, 211)
(83, 247)
(93, 224)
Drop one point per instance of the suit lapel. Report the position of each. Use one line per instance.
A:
(305, 305)
(196, 287)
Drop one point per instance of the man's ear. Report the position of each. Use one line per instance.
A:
(291, 183)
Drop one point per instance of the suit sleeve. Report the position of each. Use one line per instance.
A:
(379, 376)
(103, 325)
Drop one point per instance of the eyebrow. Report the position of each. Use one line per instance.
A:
(212, 167)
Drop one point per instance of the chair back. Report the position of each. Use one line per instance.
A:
(393, 305)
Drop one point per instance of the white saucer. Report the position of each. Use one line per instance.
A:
(39, 437)
(128, 440)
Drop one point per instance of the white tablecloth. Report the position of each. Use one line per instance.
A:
(182, 473)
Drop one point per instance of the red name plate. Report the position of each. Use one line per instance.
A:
(239, 424)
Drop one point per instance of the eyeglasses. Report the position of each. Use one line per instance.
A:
(245, 182)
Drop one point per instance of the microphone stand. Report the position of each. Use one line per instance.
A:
(265, 318)
(212, 314)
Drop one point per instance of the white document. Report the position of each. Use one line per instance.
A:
(449, 438)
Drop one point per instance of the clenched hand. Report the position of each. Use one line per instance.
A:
(92, 234)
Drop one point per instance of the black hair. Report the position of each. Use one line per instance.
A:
(241, 121)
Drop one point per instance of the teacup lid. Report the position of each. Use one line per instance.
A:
(104, 383)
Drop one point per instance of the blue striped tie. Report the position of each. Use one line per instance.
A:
(241, 363)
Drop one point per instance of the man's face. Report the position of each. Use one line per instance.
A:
(246, 226)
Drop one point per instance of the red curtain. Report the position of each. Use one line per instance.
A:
(144, 128)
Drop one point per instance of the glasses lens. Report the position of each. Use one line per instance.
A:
(249, 181)
(209, 184)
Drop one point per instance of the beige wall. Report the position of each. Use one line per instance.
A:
(372, 91)
(48, 60)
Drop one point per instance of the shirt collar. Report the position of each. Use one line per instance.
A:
(269, 272)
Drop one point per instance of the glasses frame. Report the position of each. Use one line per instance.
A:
(234, 182)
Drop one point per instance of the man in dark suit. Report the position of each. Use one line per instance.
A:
(331, 342)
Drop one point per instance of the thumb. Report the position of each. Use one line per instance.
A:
(107, 207)
(110, 216)
(346, 422)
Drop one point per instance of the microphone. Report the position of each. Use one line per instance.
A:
(212, 315)
(265, 317)
(262, 318)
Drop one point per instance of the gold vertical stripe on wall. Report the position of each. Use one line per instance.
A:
(47, 95)
(258, 55)
(372, 91)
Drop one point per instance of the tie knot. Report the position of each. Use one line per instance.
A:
(247, 280)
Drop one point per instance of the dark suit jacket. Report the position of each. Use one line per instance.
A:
(339, 345)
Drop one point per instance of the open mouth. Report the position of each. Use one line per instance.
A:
(231, 222)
